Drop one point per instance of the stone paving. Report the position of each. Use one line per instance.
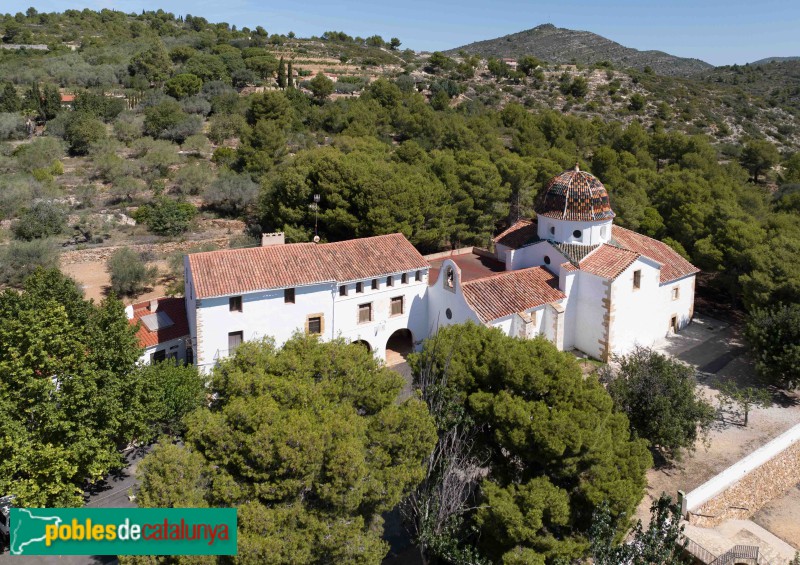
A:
(718, 540)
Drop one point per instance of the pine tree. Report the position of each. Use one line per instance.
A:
(290, 76)
(282, 73)
(9, 101)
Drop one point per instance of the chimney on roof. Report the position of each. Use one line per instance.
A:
(276, 238)
(153, 305)
(577, 167)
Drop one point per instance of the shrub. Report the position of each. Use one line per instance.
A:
(773, 335)
(183, 85)
(19, 259)
(41, 220)
(12, 126)
(129, 273)
(194, 177)
(231, 193)
(82, 131)
(165, 216)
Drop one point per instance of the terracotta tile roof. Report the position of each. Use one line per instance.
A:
(522, 233)
(673, 266)
(175, 308)
(237, 271)
(608, 261)
(575, 195)
(68, 98)
(504, 294)
(573, 251)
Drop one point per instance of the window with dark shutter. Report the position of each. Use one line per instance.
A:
(397, 305)
(364, 313)
(359, 287)
(418, 276)
(343, 290)
(374, 284)
(288, 296)
(234, 340)
(404, 278)
(315, 325)
(637, 279)
(389, 281)
(235, 304)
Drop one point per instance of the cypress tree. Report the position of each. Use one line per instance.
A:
(9, 101)
(282, 73)
(290, 76)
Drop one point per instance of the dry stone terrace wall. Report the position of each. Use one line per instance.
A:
(101, 254)
(744, 488)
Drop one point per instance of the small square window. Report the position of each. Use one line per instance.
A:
(288, 296)
(397, 305)
(637, 279)
(235, 304)
(676, 293)
(359, 287)
(343, 290)
(389, 281)
(315, 325)
(364, 313)
(404, 278)
(418, 276)
(234, 340)
(374, 284)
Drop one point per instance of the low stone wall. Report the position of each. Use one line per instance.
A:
(101, 254)
(744, 488)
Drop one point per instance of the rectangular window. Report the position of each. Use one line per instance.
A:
(676, 293)
(234, 340)
(235, 304)
(637, 279)
(418, 276)
(315, 325)
(374, 284)
(359, 287)
(397, 305)
(288, 296)
(404, 278)
(364, 313)
(343, 290)
(389, 281)
(159, 355)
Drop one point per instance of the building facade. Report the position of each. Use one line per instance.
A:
(568, 275)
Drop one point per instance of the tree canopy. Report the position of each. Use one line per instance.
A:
(556, 448)
(308, 442)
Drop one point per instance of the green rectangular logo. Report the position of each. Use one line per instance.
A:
(123, 531)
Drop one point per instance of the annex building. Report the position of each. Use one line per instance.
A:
(569, 275)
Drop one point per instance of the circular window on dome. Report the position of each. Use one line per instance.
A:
(552, 230)
(449, 314)
(576, 234)
(546, 259)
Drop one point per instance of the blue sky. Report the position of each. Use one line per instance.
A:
(720, 32)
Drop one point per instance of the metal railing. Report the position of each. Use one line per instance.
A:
(740, 554)
(699, 552)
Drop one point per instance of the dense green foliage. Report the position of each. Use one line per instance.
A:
(129, 273)
(555, 447)
(59, 354)
(165, 216)
(774, 336)
(659, 396)
(660, 543)
(307, 442)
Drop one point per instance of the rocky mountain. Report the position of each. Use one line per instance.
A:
(774, 60)
(560, 45)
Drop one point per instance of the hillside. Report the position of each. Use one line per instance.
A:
(778, 82)
(774, 60)
(561, 45)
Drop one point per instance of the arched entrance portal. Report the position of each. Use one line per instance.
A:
(400, 344)
(362, 343)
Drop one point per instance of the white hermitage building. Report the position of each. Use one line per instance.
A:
(569, 275)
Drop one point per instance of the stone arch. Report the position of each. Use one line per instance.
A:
(399, 345)
(362, 343)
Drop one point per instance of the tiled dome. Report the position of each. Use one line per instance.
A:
(575, 195)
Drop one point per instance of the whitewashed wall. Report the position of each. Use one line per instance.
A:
(592, 233)
(589, 324)
(441, 298)
(533, 256)
(177, 346)
(378, 332)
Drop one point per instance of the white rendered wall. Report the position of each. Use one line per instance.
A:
(568, 284)
(180, 348)
(440, 298)
(589, 323)
(592, 233)
(191, 304)
(643, 316)
(266, 314)
(533, 256)
(383, 324)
